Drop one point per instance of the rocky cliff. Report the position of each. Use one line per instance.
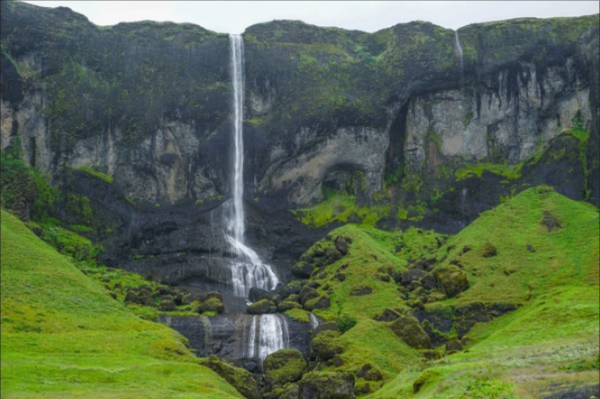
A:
(435, 124)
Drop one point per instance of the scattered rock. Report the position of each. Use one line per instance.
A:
(409, 329)
(370, 373)
(302, 270)
(530, 248)
(327, 326)
(284, 366)
(489, 250)
(452, 279)
(288, 305)
(212, 304)
(321, 302)
(241, 379)
(341, 245)
(167, 305)
(388, 315)
(323, 345)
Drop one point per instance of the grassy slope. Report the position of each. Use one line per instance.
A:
(553, 337)
(63, 337)
(370, 256)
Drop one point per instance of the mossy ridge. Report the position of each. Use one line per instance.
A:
(529, 265)
(556, 282)
(62, 336)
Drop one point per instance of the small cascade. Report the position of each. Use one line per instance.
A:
(458, 52)
(266, 334)
(247, 269)
(463, 199)
(313, 322)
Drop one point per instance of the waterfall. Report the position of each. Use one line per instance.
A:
(458, 51)
(267, 334)
(313, 322)
(247, 269)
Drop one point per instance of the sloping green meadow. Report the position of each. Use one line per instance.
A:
(545, 263)
(64, 337)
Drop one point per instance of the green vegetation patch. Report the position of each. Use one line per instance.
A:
(102, 176)
(64, 337)
(343, 208)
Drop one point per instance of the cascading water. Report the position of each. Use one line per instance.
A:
(247, 269)
(458, 51)
(267, 333)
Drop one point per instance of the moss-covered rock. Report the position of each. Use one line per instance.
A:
(261, 307)
(489, 250)
(324, 346)
(317, 385)
(370, 372)
(284, 366)
(212, 304)
(409, 329)
(287, 305)
(452, 279)
(239, 378)
(321, 302)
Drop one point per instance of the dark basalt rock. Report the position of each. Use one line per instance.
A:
(256, 294)
(224, 336)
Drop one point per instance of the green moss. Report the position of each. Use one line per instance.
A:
(342, 208)
(298, 315)
(284, 366)
(509, 171)
(102, 176)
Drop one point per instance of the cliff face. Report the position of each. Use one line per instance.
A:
(404, 112)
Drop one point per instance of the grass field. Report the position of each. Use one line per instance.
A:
(64, 337)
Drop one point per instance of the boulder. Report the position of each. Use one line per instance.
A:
(239, 378)
(212, 305)
(284, 366)
(319, 385)
(452, 279)
(323, 345)
(261, 307)
(256, 294)
(370, 373)
(321, 302)
(302, 270)
(409, 329)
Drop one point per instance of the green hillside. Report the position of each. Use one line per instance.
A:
(525, 313)
(64, 337)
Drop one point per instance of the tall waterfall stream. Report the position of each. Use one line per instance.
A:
(266, 333)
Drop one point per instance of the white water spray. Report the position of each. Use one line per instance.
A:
(267, 334)
(458, 51)
(247, 269)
